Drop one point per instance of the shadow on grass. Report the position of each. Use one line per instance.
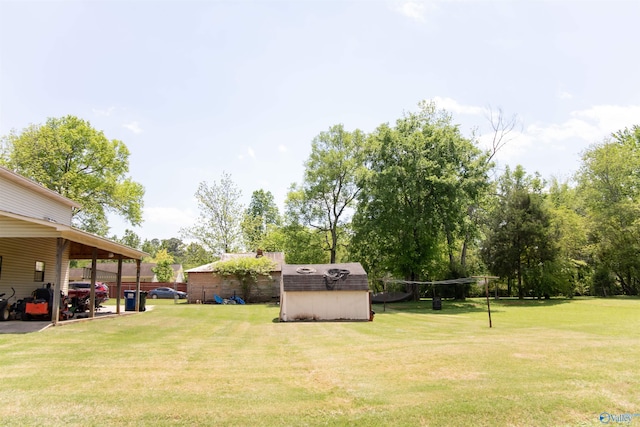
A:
(470, 305)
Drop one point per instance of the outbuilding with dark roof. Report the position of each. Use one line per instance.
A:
(324, 292)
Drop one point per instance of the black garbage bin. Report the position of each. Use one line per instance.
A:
(130, 300)
(143, 300)
(437, 303)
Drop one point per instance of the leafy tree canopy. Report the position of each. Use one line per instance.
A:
(245, 267)
(163, 270)
(69, 156)
(520, 242)
(422, 177)
(609, 183)
(328, 194)
(218, 227)
(260, 219)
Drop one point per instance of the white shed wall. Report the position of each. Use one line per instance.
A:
(319, 305)
(19, 257)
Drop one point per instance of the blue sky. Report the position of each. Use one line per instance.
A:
(195, 88)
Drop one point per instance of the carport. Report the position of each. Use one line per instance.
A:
(71, 244)
(35, 228)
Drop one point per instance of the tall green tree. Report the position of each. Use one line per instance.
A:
(69, 156)
(570, 224)
(218, 226)
(174, 247)
(413, 208)
(195, 255)
(330, 183)
(151, 246)
(519, 243)
(302, 244)
(609, 182)
(163, 270)
(260, 219)
(130, 239)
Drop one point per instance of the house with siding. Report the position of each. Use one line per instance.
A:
(107, 272)
(37, 239)
(203, 283)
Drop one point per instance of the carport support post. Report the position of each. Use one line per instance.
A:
(119, 284)
(92, 292)
(137, 285)
(61, 246)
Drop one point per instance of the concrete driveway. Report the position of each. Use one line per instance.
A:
(25, 327)
(20, 327)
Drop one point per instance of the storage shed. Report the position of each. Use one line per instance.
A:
(324, 292)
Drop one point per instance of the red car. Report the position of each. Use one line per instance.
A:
(80, 292)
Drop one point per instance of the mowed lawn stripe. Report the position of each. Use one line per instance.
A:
(557, 362)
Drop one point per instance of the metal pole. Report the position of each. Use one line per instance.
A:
(486, 287)
(384, 287)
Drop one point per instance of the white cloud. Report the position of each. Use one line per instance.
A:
(453, 106)
(560, 144)
(611, 118)
(555, 133)
(282, 148)
(99, 112)
(133, 127)
(564, 95)
(413, 10)
(250, 153)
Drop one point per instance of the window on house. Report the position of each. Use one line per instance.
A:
(39, 274)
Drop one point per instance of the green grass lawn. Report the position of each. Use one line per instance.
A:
(557, 362)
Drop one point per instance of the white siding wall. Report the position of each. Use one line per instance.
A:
(318, 305)
(19, 257)
(20, 200)
(10, 227)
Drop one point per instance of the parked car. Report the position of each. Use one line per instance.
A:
(164, 292)
(80, 292)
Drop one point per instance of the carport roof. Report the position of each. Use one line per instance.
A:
(81, 243)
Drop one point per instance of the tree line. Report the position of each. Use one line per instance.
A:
(415, 200)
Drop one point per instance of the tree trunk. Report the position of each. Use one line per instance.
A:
(413, 287)
(334, 244)
(520, 288)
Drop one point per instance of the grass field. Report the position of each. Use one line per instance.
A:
(557, 362)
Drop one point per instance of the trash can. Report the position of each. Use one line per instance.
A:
(130, 300)
(437, 303)
(143, 301)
